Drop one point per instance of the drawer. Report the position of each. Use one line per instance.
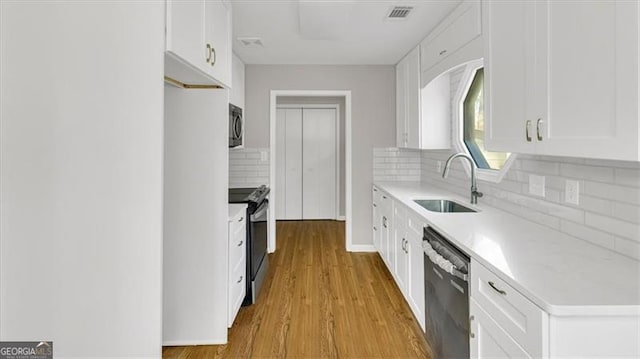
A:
(518, 316)
(237, 223)
(237, 290)
(416, 223)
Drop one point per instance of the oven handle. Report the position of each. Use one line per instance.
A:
(258, 214)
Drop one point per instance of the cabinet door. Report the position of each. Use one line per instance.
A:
(376, 219)
(185, 37)
(217, 20)
(401, 106)
(386, 212)
(415, 284)
(488, 340)
(412, 99)
(591, 52)
(400, 251)
(509, 89)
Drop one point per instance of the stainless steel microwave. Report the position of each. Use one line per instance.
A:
(236, 126)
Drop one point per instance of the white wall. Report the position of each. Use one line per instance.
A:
(373, 117)
(195, 217)
(81, 176)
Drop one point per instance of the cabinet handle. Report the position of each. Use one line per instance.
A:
(240, 244)
(472, 335)
(528, 128)
(375, 190)
(240, 280)
(374, 228)
(213, 52)
(375, 205)
(403, 248)
(384, 197)
(384, 221)
(496, 289)
(443, 52)
(538, 127)
(208, 54)
(241, 219)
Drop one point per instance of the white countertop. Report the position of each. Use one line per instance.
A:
(561, 274)
(235, 209)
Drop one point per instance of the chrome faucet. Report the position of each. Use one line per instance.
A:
(474, 188)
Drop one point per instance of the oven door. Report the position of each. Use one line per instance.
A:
(258, 236)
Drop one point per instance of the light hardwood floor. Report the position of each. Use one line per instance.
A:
(320, 301)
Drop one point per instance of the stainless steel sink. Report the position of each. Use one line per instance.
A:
(442, 205)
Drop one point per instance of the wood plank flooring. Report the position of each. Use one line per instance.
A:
(319, 301)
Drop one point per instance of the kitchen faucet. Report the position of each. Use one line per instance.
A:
(474, 188)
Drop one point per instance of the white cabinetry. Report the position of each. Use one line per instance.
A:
(524, 322)
(562, 78)
(488, 340)
(408, 100)
(399, 242)
(456, 40)
(236, 95)
(198, 42)
(237, 261)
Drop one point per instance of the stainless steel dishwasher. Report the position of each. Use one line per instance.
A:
(446, 273)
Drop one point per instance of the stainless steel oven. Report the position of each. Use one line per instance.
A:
(257, 234)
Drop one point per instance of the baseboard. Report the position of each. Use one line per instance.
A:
(180, 343)
(361, 248)
(341, 218)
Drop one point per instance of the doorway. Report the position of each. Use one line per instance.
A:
(308, 153)
(343, 169)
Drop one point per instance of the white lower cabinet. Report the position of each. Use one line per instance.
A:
(488, 339)
(520, 320)
(397, 235)
(237, 264)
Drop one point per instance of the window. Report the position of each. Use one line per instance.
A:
(469, 127)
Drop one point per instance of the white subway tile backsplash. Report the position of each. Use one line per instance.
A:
(612, 225)
(628, 177)
(396, 164)
(592, 173)
(604, 239)
(247, 168)
(608, 213)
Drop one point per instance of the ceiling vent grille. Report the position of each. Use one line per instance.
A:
(399, 12)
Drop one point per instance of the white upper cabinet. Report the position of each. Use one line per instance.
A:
(456, 40)
(562, 78)
(198, 42)
(408, 100)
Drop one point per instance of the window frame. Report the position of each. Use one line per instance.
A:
(457, 129)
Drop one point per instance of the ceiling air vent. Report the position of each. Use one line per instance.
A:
(399, 12)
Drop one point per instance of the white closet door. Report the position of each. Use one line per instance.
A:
(319, 164)
(289, 159)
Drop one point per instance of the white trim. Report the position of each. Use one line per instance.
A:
(341, 218)
(272, 165)
(336, 107)
(362, 248)
(456, 134)
(180, 343)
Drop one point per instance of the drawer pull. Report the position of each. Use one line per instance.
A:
(385, 197)
(240, 244)
(375, 205)
(241, 219)
(443, 52)
(375, 190)
(496, 289)
(240, 280)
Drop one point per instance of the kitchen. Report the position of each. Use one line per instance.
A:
(116, 171)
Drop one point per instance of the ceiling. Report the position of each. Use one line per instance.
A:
(332, 32)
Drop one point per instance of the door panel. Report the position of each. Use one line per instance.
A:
(289, 159)
(319, 164)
